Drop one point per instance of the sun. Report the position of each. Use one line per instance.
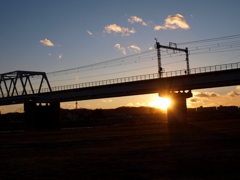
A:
(162, 103)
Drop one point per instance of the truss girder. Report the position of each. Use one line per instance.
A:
(20, 83)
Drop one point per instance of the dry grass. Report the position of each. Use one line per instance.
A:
(200, 150)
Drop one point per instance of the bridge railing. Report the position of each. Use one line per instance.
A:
(150, 76)
(138, 78)
(202, 70)
(105, 82)
(215, 68)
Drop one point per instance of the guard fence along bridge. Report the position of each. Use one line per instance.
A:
(175, 84)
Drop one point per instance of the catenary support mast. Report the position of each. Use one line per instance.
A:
(158, 46)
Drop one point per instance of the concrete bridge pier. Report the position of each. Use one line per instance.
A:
(177, 111)
(42, 116)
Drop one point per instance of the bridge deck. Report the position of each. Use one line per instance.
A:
(199, 80)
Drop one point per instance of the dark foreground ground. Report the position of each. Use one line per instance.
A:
(200, 150)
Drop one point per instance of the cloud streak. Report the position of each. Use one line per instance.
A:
(214, 99)
(46, 42)
(60, 56)
(122, 49)
(135, 19)
(113, 28)
(134, 48)
(193, 100)
(176, 21)
(206, 95)
(90, 33)
(233, 94)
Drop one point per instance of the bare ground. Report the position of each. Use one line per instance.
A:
(199, 150)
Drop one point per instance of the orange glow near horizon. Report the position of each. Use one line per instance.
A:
(162, 103)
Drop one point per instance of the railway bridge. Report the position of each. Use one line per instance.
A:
(42, 105)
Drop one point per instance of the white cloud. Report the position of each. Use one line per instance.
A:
(214, 99)
(113, 28)
(233, 94)
(134, 48)
(173, 22)
(135, 19)
(46, 42)
(122, 49)
(60, 56)
(90, 33)
(49, 54)
(206, 95)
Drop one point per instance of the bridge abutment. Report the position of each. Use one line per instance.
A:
(177, 111)
(42, 117)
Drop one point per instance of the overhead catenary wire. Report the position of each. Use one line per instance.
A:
(206, 46)
(119, 72)
(139, 59)
(210, 39)
(146, 53)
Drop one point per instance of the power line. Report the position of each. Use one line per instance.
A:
(223, 44)
(206, 46)
(231, 58)
(117, 72)
(210, 40)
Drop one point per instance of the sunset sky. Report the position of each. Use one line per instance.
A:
(50, 36)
